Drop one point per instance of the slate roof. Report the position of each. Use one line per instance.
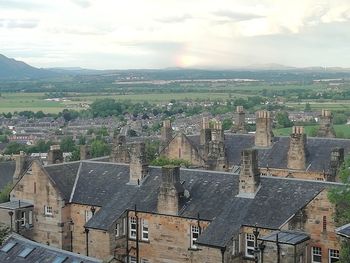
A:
(286, 237)
(212, 194)
(37, 252)
(344, 231)
(7, 169)
(318, 158)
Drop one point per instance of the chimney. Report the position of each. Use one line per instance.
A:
(166, 131)
(217, 133)
(263, 135)
(120, 153)
(297, 149)
(239, 126)
(205, 133)
(337, 159)
(326, 125)
(138, 163)
(85, 152)
(55, 155)
(170, 191)
(20, 161)
(249, 178)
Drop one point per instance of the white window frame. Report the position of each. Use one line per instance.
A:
(249, 238)
(48, 210)
(316, 251)
(117, 230)
(132, 259)
(22, 219)
(194, 236)
(132, 227)
(145, 230)
(124, 226)
(88, 215)
(333, 254)
(30, 217)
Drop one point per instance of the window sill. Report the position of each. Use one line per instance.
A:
(145, 241)
(193, 249)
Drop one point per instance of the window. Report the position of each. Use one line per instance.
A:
(316, 256)
(194, 236)
(249, 245)
(48, 210)
(25, 252)
(8, 247)
(30, 217)
(124, 226)
(143, 260)
(23, 218)
(324, 223)
(88, 215)
(132, 232)
(117, 230)
(132, 260)
(144, 230)
(235, 246)
(333, 256)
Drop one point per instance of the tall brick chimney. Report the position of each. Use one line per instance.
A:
(85, 152)
(170, 191)
(326, 125)
(249, 178)
(120, 153)
(239, 126)
(138, 163)
(205, 133)
(297, 149)
(263, 135)
(217, 133)
(55, 155)
(20, 161)
(337, 159)
(166, 132)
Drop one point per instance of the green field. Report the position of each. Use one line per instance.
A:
(317, 106)
(342, 131)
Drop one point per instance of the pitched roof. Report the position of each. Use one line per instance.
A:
(318, 158)
(344, 231)
(19, 249)
(7, 169)
(286, 237)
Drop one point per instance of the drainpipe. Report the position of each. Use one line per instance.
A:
(223, 254)
(137, 236)
(278, 249)
(87, 240)
(127, 236)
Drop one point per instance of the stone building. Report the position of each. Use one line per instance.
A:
(326, 125)
(207, 152)
(120, 213)
(239, 121)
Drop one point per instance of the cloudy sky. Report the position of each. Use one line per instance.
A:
(111, 34)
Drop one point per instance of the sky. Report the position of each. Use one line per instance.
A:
(220, 34)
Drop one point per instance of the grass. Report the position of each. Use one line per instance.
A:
(341, 131)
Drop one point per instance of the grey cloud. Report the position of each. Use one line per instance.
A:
(235, 16)
(174, 19)
(18, 23)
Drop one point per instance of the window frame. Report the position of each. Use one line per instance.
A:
(88, 215)
(22, 218)
(330, 256)
(117, 230)
(194, 231)
(313, 249)
(48, 210)
(145, 230)
(249, 237)
(132, 227)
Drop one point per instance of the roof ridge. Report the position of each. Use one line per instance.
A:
(75, 182)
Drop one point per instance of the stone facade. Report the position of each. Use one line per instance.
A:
(120, 152)
(138, 163)
(263, 135)
(55, 155)
(239, 121)
(249, 179)
(297, 149)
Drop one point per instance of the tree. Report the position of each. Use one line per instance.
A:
(4, 232)
(75, 154)
(67, 144)
(162, 161)
(99, 148)
(340, 196)
(15, 148)
(307, 107)
(283, 120)
(227, 124)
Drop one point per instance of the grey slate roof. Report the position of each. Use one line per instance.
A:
(212, 195)
(344, 231)
(11, 205)
(40, 253)
(7, 169)
(318, 159)
(286, 237)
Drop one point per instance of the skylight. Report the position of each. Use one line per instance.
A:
(60, 259)
(25, 252)
(8, 247)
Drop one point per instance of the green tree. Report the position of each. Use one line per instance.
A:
(227, 124)
(283, 120)
(67, 144)
(4, 232)
(307, 107)
(75, 154)
(5, 193)
(162, 161)
(14, 148)
(99, 148)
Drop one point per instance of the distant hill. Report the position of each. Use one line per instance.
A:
(17, 70)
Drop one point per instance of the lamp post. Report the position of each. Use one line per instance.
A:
(256, 233)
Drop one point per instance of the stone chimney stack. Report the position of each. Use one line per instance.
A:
(239, 126)
(85, 152)
(120, 153)
(337, 159)
(326, 125)
(55, 155)
(138, 163)
(249, 178)
(217, 133)
(205, 133)
(263, 135)
(166, 132)
(297, 149)
(20, 161)
(170, 191)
